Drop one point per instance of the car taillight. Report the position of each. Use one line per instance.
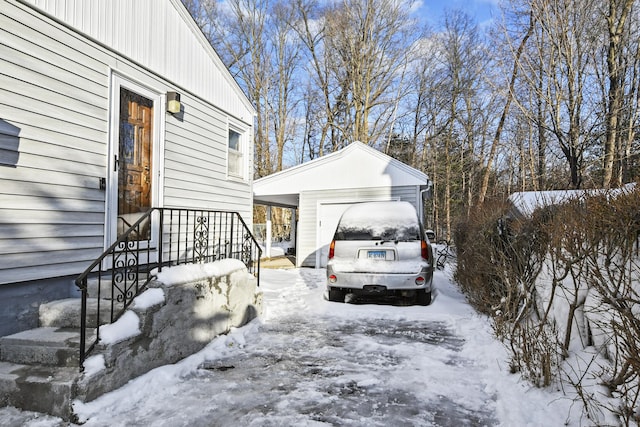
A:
(332, 248)
(424, 249)
(333, 278)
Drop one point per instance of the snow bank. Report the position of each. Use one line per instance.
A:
(526, 202)
(93, 365)
(149, 298)
(276, 251)
(195, 272)
(127, 326)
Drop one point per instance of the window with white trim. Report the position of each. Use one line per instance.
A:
(235, 159)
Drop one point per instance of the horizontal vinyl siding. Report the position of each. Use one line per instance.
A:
(61, 217)
(54, 94)
(51, 244)
(52, 268)
(308, 219)
(407, 194)
(160, 35)
(196, 163)
(55, 206)
(54, 135)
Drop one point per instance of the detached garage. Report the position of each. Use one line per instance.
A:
(323, 188)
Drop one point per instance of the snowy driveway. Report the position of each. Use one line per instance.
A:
(310, 362)
(342, 372)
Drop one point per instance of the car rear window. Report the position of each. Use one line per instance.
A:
(379, 221)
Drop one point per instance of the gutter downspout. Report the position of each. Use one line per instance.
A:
(422, 199)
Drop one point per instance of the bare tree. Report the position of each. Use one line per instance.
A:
(308, 23)
(423, 120)
(558, 71)
(461, 60)
(324, 73)
(509, 96)
(358, 51)
(618, 32)
(286, 47)
(628, 167)
(255, 41)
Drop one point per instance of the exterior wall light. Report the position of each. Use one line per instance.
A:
(173, 102)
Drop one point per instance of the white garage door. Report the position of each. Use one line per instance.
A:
(329, 215)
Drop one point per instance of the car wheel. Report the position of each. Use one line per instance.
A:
(423, 297)
(336, 295)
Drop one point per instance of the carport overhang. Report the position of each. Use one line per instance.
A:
(279, 200)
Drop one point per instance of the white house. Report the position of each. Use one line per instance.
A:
(323, 188)
(107, 108)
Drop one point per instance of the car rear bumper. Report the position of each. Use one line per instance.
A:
(379, 282)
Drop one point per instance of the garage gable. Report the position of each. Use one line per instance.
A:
(336, 171)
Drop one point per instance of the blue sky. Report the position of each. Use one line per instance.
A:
(479, 10)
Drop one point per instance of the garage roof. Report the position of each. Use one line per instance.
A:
(355, 166)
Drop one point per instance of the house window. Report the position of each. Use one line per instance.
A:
(235, 158)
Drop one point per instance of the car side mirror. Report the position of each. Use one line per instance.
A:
(431, 235)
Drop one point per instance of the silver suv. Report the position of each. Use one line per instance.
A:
(380, 248)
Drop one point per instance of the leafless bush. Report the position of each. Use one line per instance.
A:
(570, 244)
(614, 305)
(498, 260)
(534, 351)
(581, 257)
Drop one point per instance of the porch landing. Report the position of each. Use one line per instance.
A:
(285, 262)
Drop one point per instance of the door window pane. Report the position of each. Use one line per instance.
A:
(134, 159)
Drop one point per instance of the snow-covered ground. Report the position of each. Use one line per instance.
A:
(310, 362)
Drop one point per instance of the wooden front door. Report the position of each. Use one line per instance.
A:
(134, 160)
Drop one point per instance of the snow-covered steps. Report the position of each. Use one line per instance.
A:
(166, 323)
(65, 313)
(48, 346)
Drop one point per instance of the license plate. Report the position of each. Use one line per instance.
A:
(377, 254)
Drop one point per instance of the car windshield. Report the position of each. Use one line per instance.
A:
(394, 221)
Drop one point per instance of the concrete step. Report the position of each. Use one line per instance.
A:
(43, 389)
(65, 313)
(44, 346)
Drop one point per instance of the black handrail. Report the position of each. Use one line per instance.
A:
(180, 236)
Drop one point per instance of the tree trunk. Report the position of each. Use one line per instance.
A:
(615, 26)
(486, 174)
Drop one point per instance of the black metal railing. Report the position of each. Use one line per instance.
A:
(158, 238)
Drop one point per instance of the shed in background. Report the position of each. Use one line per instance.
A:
(320, 190)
